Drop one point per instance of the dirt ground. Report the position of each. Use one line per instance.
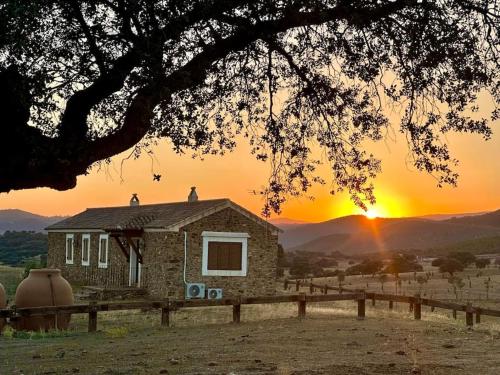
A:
(268, 341)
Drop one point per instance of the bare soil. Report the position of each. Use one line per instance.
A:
(329, 341)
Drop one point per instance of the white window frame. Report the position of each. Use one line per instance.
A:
(86, 237)
(103, 264)
(72, 238)
(225, 237)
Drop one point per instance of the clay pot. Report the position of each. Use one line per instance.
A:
(43, 287)
(3, 304)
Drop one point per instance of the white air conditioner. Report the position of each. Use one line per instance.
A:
(195, 290)
(214, 293)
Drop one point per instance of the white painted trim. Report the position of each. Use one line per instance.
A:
(76, 231)
(72, 238)
(99, 263)
(225, 234)
(86, 237)
(225, 237)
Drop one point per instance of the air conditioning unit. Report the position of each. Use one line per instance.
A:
(195, 290)
(214, 293)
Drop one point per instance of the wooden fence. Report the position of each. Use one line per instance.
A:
(301, 299)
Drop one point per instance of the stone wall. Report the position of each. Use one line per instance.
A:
(164, 258)
(116, 274)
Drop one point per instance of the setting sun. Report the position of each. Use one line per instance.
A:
(372, 213)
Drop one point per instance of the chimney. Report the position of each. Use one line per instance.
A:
(134, 201)
(193, 197)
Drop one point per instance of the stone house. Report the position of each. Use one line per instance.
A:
(165, 248)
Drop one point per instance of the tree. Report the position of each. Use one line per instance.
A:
(487, 286)
(463, 257)
(482, 263)
(340, 278)
(421, 280)
(402, 263)
(457, 284)
(451, 266)
(300, 267)
(84, 81)
(437, 262)
(382, 279)
(367, 267)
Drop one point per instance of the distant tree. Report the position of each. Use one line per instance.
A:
(300, 267)
(451, 266)
(457, 284)
(383, 279)
(367, 267)
(340, 278)
(437, 262)
(463, 257)
(421, 280)
(482, 263)
(326, 262)
(487, 286)
(402, 263)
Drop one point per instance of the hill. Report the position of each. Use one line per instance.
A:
(358, 235)
(18, 220)
(15, 247)
(490, 219)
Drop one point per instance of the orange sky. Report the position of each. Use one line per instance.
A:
(400, 189)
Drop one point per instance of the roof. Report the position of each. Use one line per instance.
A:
(169, 216)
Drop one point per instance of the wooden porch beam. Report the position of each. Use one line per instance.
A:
(134, 246)
(123, 249)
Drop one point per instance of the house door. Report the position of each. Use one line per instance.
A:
(134, 270)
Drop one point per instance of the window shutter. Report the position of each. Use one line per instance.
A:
(224, 256)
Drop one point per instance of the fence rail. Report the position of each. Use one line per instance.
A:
(167, 306)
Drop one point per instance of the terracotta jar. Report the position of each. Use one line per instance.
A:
(43, 287)
(3, 304)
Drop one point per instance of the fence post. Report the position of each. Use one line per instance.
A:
(237, 311)
(165, 314)
(478, 315)
(361, 306)
(410, 306)
(92, 317)
(297, 285)
(417, 308)
(469, 316)
(311, 288)
(454, 313)
(285, 284)
(301, 305)
(373, 300)
(326, 289)
(391, 305)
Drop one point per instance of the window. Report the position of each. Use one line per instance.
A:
(224, 254)
(85, 249)
(69, 249)
(103, 251)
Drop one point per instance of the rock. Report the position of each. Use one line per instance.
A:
(369, 352)
(212, 364)
(75, 370)
(257, 361)
(415, 370)
(449, 346)
(163, 371)
(401, 352)
(37, 356)
(60, 354)
(174, 361)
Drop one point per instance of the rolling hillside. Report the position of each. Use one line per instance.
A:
(18, 220)
(357, 235)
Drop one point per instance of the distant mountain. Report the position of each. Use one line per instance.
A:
(357, 234)
(286, 223)
(440, 217)
(490, 219)
(18, 220)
